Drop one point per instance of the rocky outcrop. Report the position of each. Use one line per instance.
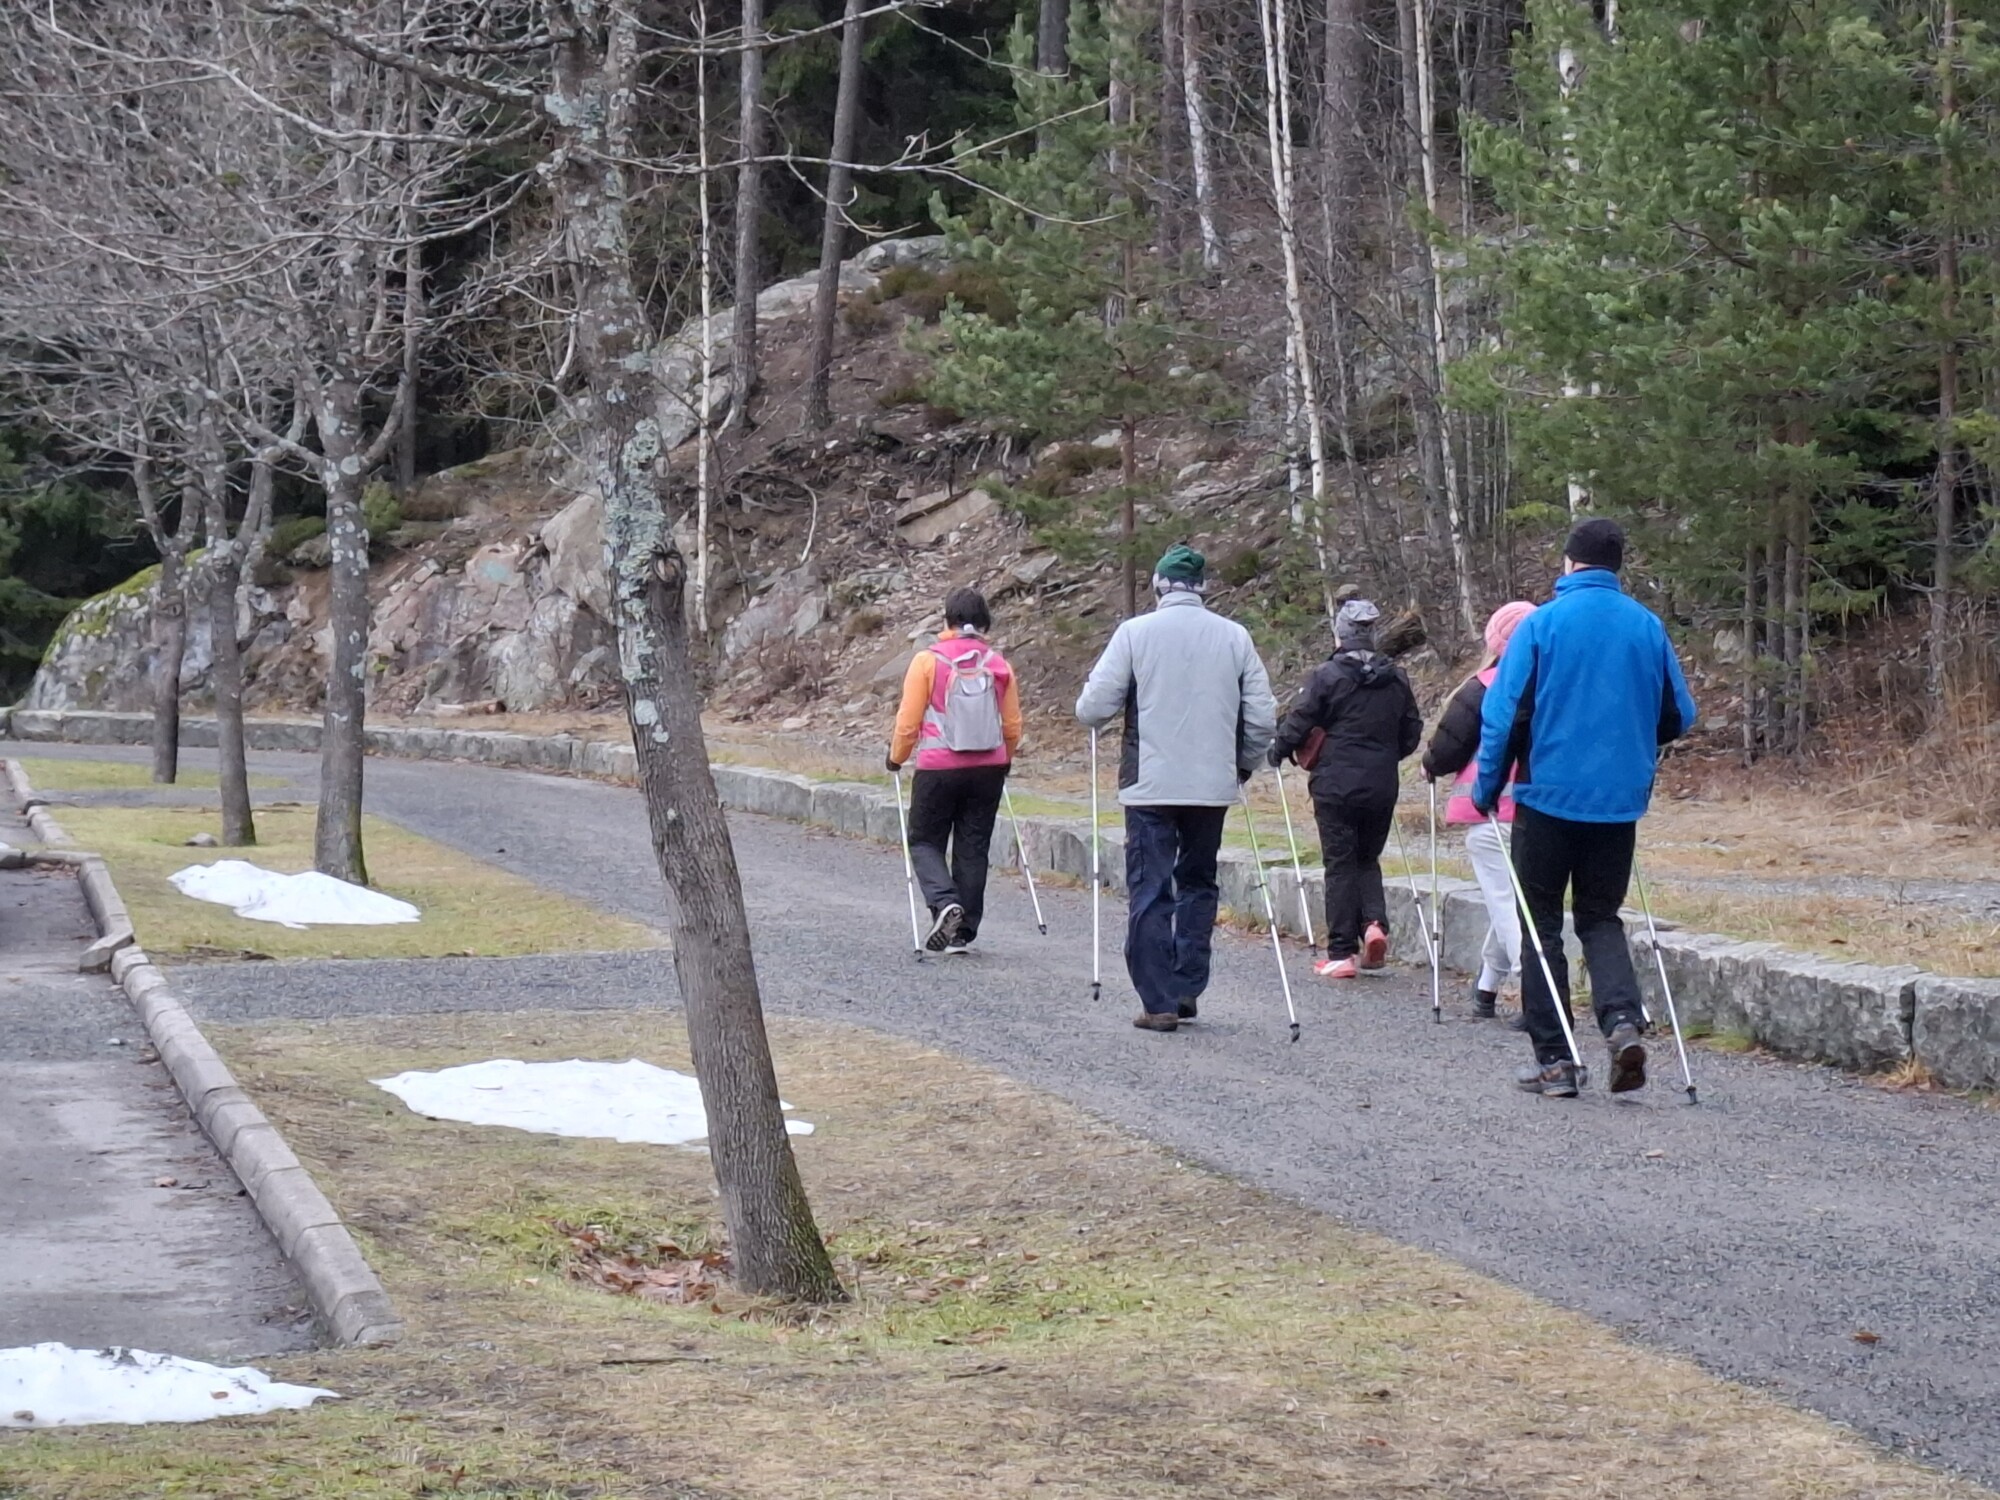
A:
(104, 655)
(494, 592)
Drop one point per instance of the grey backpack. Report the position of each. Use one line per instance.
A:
(970, 721)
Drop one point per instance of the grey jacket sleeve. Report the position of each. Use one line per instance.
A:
(1103, 696)
(1259, 713)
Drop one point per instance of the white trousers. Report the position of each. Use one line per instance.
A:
(1500, 955)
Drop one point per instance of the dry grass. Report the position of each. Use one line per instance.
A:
(115, 776)
(1043, 1306)
(1860, 929)
(468, 907)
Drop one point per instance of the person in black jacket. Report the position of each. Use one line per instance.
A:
(1364, 705)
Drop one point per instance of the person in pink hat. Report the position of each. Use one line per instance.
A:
(1454, 752)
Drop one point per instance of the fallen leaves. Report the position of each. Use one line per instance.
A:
(1863, 1336)
(657, 1270)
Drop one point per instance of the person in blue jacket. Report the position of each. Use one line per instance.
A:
(1587, 693)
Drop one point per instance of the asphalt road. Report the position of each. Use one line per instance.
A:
(119, 1225)
(1759, 1233)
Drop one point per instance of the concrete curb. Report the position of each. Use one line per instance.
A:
(1798, 1004)
(345, 1293)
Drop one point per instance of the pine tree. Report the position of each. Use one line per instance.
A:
(1085, 334)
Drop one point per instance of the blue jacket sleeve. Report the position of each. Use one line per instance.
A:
(1677, 712)
(1496, 715)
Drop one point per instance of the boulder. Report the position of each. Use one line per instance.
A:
(932, 517)
(574, 540)
(793, 600)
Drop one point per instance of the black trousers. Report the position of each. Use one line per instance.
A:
(1594, 862)
(956, 808)
(1351, 836)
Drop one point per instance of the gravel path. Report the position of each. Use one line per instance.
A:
(1758, 1234)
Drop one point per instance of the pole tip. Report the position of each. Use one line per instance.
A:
(1096, 990)
(1691, 1095)
(1044, 927)
(1295, 1031)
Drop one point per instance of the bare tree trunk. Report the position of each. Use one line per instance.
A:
(1938, 661)
(413, 304)
(225, 578)
(1197, 131)
(704, 451)
(223, 564)
(833, 231)
(342, 754)
(1426, 144)
(1128, 522)
(749, 206)
(776, 1246)
(1052, 37)
(169, 621)
(1272, 22)
(170, 642)
(1749, 653)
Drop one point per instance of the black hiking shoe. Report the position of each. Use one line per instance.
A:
(1188, 1012)
(1628, 1058)
(1485, 1004)
(1156, 1020)
(945, 929)
(1556, 1080)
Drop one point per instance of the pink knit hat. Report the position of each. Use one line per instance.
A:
(1500, 627)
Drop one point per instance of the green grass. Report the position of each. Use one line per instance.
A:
(468, 907)
(116, 776)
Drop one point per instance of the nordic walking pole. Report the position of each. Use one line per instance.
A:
(1021, 851)
(1437, 919)
(1403, 853)
(1541, 954)
(1270, 911)
(1096, 885)
(1666, 989)
(1298, 872)
(909, 872)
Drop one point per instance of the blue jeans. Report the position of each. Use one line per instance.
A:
(1171, 897)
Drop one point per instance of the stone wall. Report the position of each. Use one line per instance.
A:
(1854, 1015)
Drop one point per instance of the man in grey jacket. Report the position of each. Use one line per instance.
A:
(1198, 717)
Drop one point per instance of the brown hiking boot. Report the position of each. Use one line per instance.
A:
(1148, 1020)
(1556, 1080)
(1628, 1058)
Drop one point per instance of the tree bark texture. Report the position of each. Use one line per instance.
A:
(1197, 134)
(776, 1246)
(223, 564)
(170, 644)
(833, 232)
(1939, 657)
(749, 206)
(337, 830)
(1052, 37)
(225, 578)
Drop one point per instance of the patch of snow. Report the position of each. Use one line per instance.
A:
(53, 1385)
(307, 900)
(631, 1101)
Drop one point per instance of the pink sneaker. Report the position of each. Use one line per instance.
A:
(1337, 968)
(1374, 947)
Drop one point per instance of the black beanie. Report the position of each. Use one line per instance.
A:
(1596, 543)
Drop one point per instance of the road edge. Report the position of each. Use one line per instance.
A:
(346, 1295)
